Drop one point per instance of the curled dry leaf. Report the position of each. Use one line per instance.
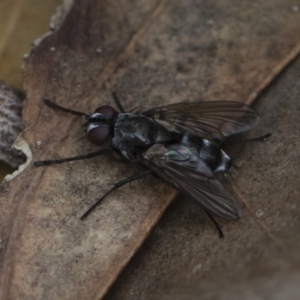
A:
(11, 125)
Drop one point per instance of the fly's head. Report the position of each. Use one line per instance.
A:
(100, 124)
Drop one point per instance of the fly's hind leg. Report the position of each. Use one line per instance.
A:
(259, 138)
(241, 143)
(233, 140)
(220, 232)
(115, 187)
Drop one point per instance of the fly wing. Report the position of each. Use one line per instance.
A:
(181, 168)
(211, 120)
(139, 109)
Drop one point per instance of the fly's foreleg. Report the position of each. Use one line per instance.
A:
(67, 110)
(79, 157)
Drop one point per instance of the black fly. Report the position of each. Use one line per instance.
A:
(180, 143)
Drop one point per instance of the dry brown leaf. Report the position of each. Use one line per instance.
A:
(259, 256)
(150, 53)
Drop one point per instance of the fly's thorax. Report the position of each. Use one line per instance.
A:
(138, 130)
(133, 130)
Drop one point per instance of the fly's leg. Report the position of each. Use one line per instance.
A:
(67, 110)
(115, 187)
(62, 160)
(118, 103)
(220, 232)
(79, 157)
(232, 140)
(257, 139)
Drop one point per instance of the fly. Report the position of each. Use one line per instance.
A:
(180, 143)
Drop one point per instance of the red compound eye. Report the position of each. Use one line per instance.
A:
(99, 134)
(106, 110)
(99, 123)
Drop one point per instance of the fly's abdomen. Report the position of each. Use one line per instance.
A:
(213, 156)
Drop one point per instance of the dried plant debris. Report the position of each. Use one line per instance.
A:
(60, 14)
(11, 103)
